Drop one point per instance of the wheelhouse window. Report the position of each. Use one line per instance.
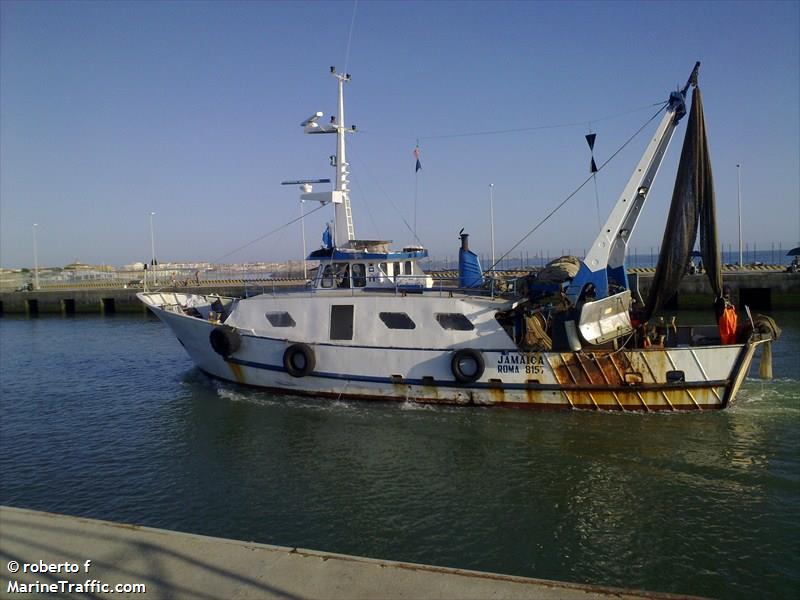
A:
(280, 319)
(397, 320)
(327, 276)
(359, 275)
(342, 322)
(454, 321)
(342, 275)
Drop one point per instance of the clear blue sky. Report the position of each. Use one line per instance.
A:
(111, 110)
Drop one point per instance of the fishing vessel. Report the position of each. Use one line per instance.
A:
(374, 325)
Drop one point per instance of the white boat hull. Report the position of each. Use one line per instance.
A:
(638, 379)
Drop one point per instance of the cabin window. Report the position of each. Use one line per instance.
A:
(342, 275)
(455, 321)
(407, 267)
(327, 276)
(280, 319)
(397, 320)
(359, 275)
(384, 268)
(342, 322)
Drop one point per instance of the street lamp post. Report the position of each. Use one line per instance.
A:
(303, 228)
(35, 260)
(152, 247)
(739, 202)
(491, 217)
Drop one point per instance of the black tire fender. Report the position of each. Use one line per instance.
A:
(224, 340)
(462, 358)
(299, 360)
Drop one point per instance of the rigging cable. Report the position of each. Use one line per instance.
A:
(597, 200)
(350, 36)
(537, 127)
(266, 235)
(512, 130)
(366, 204)
(590, 139)
(416, 189)
(579, 188)
(377, 183)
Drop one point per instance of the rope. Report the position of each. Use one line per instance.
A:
(378, 185)
(366, 204)
(579, 188)
(518, 129)
(593, 167)
(350, 36)
(597, 201)
(416, 194)
(266, 235)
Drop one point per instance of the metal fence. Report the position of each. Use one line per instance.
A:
(774, 253)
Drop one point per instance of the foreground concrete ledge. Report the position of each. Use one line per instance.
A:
(181, 565)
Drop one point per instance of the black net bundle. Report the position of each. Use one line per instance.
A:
(693, 207)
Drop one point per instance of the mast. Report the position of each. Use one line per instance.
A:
(343, 231)
(343, 215)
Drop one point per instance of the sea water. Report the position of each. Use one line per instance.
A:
(106, 417)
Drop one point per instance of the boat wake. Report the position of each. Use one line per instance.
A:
(233, 393)
(779, 394)
(238, 395)
(412, 405)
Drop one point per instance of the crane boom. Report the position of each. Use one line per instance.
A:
(604, 264)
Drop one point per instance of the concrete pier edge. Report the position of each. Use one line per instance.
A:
(183, 565)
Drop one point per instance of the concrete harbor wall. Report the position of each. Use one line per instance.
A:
(44, 549)
(98, 298)
(761, 289)
(767, 288)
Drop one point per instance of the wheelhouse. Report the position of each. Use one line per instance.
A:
(370, 265)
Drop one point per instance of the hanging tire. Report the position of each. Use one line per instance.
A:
(224, 340)
(299, 360)
(467, 365)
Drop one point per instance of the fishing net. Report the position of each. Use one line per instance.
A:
(766, 326)
(559, 270)
(693, 205)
